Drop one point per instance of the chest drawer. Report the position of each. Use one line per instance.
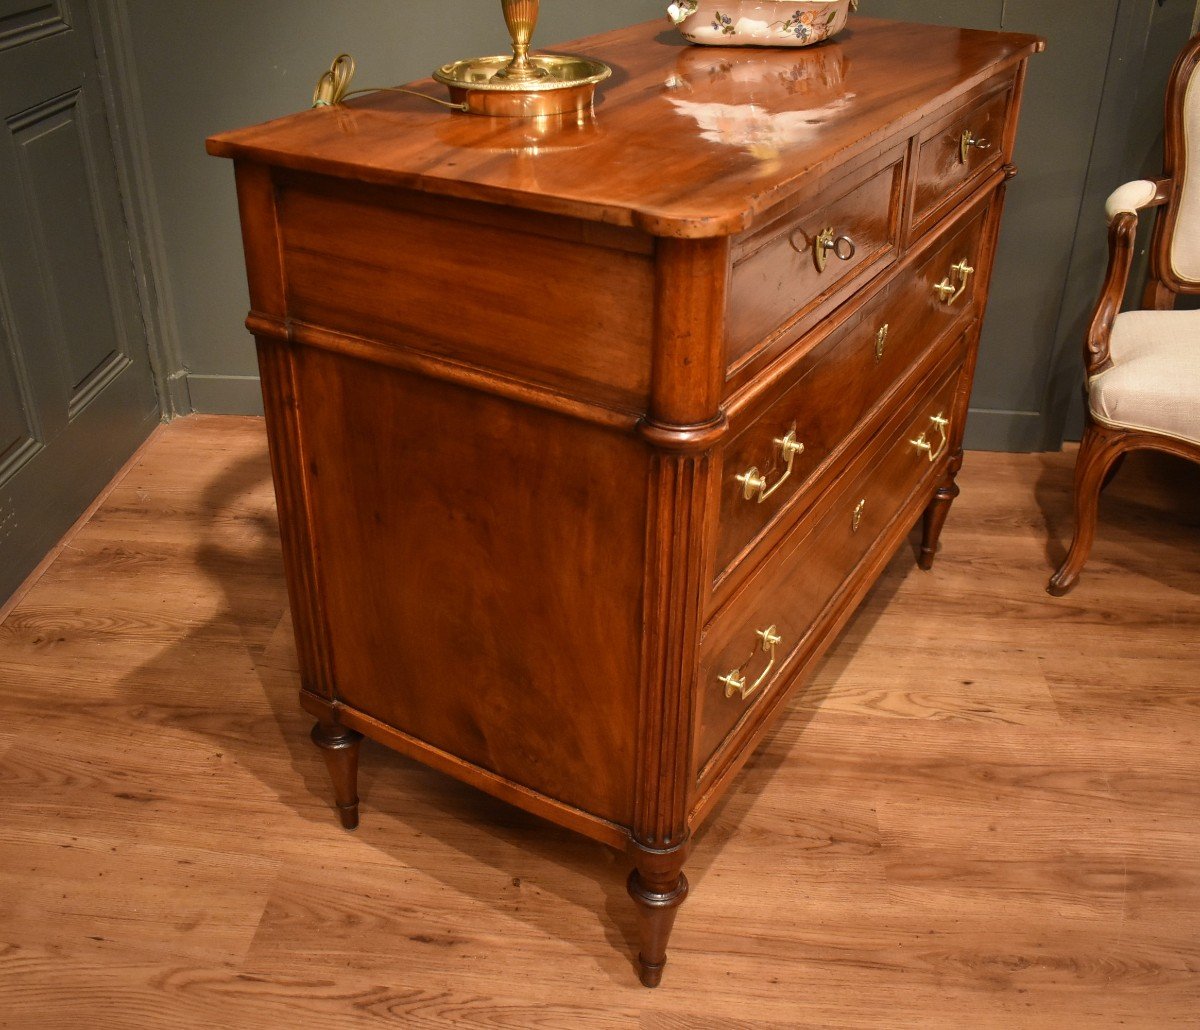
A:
(790, 267)
(749, 650)
(957, 152)
(772, 464)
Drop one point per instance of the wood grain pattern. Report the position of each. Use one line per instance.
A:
(941, 174)
(577, 323)
(833, 394)
(996, 827)
(491, 570)
(810, 570)
(427, 631)
(776, 282)
(712, 188)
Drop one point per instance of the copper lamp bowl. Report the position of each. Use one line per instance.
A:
(523, 85)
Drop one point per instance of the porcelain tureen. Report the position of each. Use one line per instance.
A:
(760, 22)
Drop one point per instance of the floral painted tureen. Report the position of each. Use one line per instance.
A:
(760, 22)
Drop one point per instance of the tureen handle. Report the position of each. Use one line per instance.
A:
(681, 10)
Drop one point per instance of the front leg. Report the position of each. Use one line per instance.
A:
(339, 746)
(938, 510)
(658, 887)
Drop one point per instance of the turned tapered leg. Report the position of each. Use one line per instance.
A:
(937, 512)
(340, 748)
(1097, 454)
(658, 887)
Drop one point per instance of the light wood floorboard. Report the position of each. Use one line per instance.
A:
(984, 812)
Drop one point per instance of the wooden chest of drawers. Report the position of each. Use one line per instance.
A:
(588, 437)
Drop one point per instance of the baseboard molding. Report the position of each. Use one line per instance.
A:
(224, 395)
(1015, 432)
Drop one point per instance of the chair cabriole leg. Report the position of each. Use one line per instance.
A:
(1097, 454)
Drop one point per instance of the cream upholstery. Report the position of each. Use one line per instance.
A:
(1185, 246)
(1131, 197)
(1154, 383)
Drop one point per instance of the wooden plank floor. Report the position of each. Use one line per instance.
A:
(984, 813)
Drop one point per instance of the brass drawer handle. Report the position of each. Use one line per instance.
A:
(970, 142)
(843, 248)
(754, 482)
(860, 510)
(923, 446)
(947, 291)
(881, 341)
(736, 681)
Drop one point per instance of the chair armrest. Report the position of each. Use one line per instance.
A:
(1134, 196)
(1122, 234)
(1122, 208)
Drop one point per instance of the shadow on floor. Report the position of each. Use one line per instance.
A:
(401, 800)
(1150, 508)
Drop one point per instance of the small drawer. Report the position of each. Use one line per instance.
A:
(789, 268)
(957, 152)
(747, 651)
(770, 464)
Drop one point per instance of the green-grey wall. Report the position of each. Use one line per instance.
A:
(204, 66)
(201, 67)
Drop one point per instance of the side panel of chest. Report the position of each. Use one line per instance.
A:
(478, 564)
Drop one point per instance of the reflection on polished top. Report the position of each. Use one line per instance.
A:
(762, 106)
(684, 141)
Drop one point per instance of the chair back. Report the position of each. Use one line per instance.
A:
(1175, 251)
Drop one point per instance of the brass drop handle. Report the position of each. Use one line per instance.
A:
(971, 142)
(947, 291)
(860, 510)
(737, 682)
(922, 444)
(843, 247)
(881, 337)
(755, 483)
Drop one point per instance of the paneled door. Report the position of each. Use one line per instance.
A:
(76, 390)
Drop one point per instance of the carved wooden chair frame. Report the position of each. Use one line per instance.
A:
(1103, 445)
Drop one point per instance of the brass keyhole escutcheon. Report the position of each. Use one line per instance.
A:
(881, 341)
(827, 241)
(856, 519)
(968, 142)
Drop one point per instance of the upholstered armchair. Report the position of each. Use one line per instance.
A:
(1143, 367)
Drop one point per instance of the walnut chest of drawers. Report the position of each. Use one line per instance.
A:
(589, 436)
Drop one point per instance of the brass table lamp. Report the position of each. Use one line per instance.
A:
(523, 85)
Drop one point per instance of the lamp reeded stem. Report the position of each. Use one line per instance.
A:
(521, 17)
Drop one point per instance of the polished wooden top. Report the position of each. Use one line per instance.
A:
(685, 141)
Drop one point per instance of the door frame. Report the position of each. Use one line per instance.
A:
(123, 105)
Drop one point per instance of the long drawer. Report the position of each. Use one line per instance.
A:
(747, 651)
(774, 463)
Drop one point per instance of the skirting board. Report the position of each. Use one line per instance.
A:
(987, 430)
(1017, 432)
(225, 395)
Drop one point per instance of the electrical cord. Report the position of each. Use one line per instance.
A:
(334, 87)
